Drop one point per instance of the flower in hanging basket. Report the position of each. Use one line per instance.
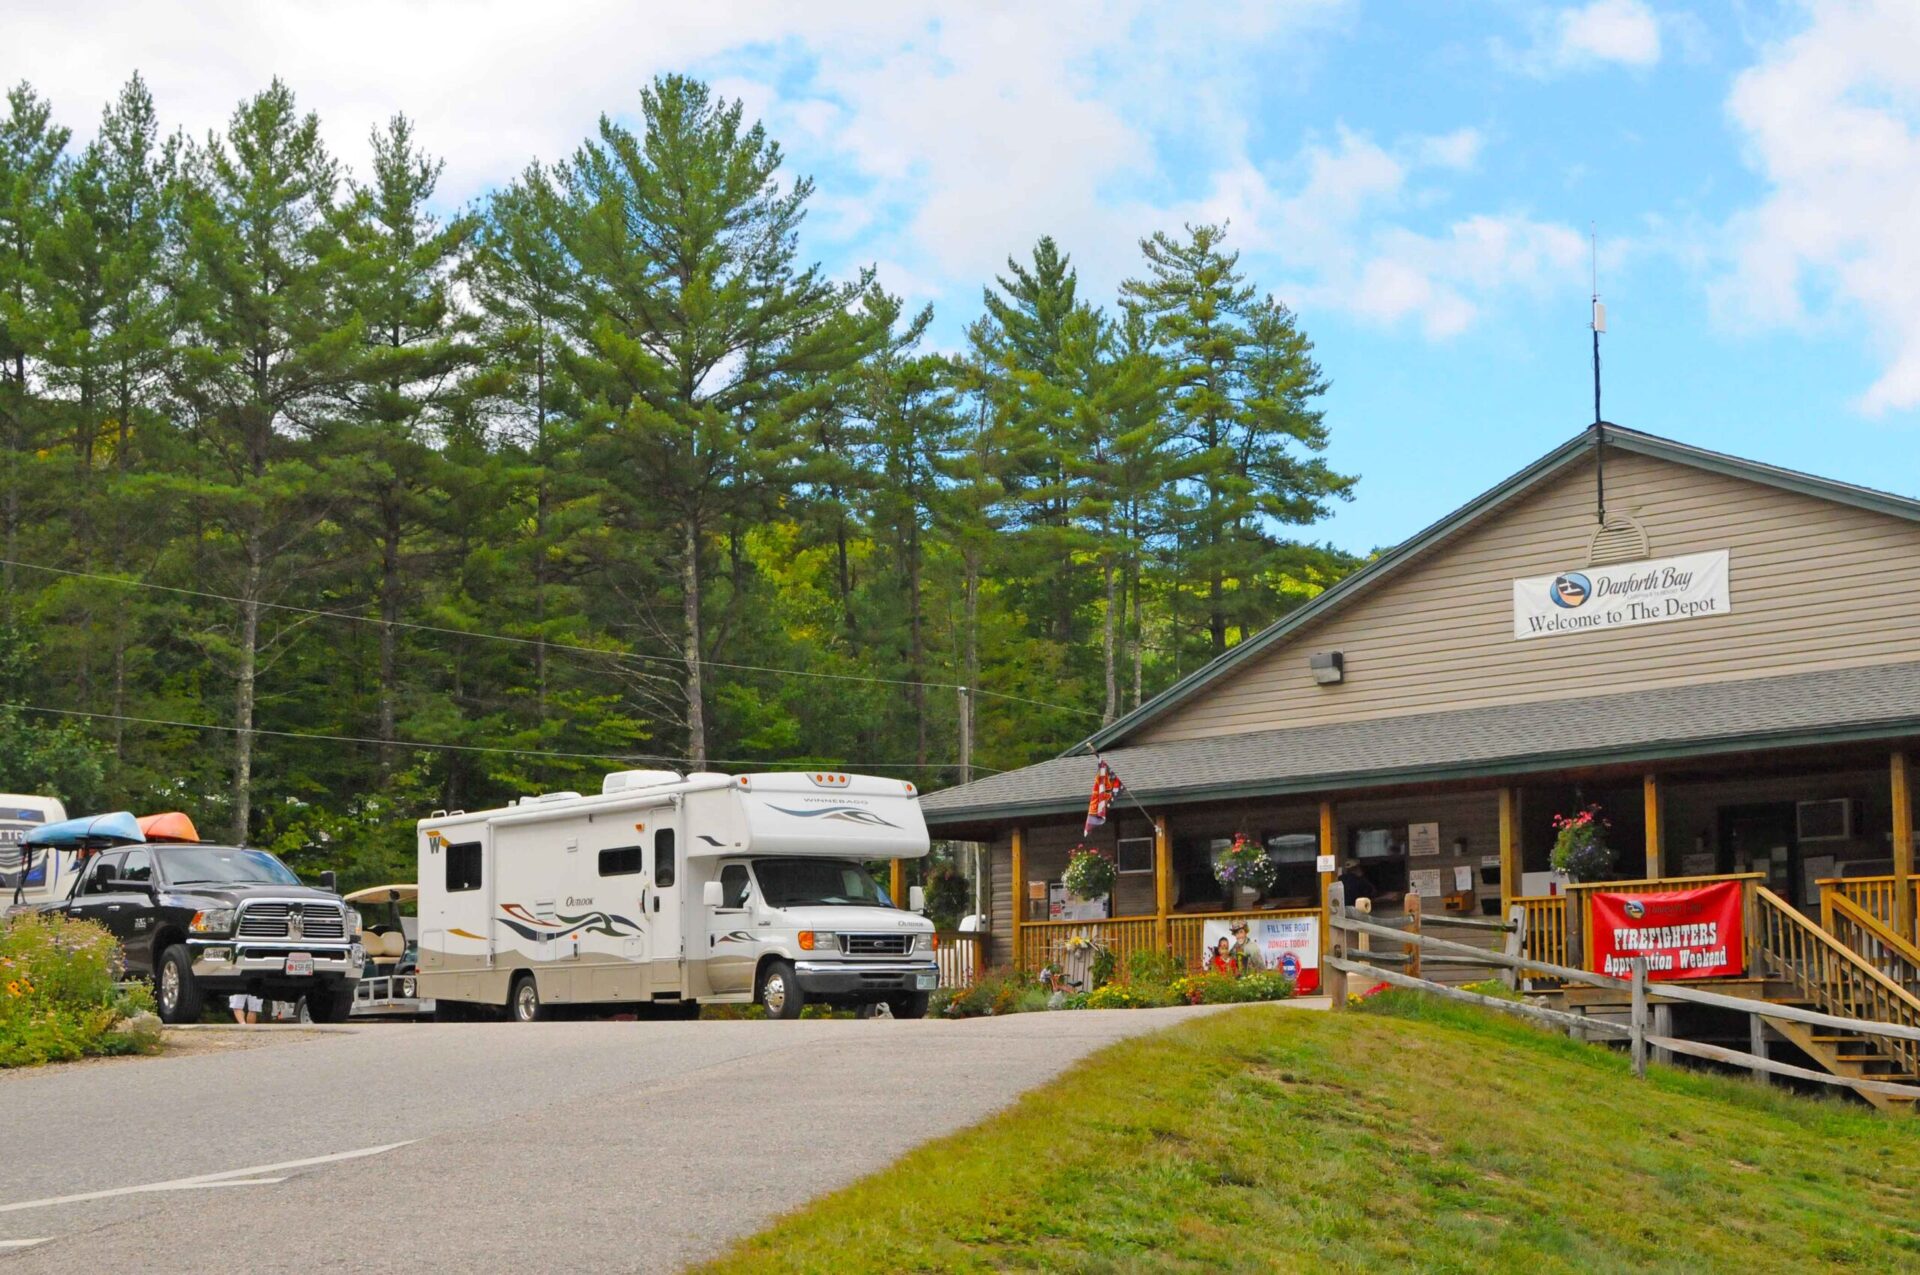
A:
(1580, 846)
(1245, 863)
(1090, 873)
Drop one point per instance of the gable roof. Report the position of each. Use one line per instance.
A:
(1391, 562)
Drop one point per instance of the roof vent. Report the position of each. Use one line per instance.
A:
(628, 780)
(1620, 540)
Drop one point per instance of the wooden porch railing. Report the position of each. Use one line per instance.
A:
(1847, 921)
(1838, 980)
(961, 957)
(1044, 943)
(1546, 935)
(1186, 930)
(1872, 895)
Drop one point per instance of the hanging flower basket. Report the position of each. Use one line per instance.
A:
(1580, 846)
(1090, 873)
(1245, 863)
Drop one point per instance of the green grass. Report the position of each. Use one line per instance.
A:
(1413, 1135)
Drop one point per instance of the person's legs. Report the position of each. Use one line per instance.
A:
(238, 1004)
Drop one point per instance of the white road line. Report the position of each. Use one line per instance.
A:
(232, 1177)
(25, 1243)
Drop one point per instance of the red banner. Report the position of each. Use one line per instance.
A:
(1685, 934)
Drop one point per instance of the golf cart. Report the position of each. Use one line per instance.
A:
(392, 940)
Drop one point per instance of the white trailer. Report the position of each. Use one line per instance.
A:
(675, 891)
(41, 876)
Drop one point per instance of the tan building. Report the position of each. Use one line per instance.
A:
(1728, 667)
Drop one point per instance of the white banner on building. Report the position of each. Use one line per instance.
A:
(1622, 595)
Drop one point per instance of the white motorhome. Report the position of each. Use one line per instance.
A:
(675, 890)
(46, 875)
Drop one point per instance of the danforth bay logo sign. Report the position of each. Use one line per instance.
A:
(1622, 595)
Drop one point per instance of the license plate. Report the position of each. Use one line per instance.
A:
(300, 964)
(925, 982)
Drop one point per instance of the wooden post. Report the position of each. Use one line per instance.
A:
(1516, 944)
(1326, 878)
(1162, 884)
(1019, 870)
(1639, 1021)
(1757, 1044)
(1510, 864)
(1903, 905)
(1413, 928)
(1333, 903)
(1663, 1026)
(1576, 928)
(1650, 793)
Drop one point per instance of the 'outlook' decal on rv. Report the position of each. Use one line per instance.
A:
(843, 814)
(529, 926)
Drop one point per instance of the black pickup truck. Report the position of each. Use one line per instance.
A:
(203, 919)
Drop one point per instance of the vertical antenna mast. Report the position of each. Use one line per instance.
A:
(1598, 322)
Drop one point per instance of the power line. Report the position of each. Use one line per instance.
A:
(675, 660)
(462, 748)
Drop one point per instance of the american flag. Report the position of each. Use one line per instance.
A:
(1106, 786)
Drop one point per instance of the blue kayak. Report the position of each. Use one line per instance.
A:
(91, 832)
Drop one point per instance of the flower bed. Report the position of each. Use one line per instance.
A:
(58, 998)
(1016, 992)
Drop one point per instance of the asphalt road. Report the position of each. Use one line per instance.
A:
(583, 1146)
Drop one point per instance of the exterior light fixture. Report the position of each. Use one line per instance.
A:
(1329, 667)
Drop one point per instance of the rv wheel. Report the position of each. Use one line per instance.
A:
(780, 993)
(524, 1002)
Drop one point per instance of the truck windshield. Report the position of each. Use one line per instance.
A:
(220, 865)
(787, 883)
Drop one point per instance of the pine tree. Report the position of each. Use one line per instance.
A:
(711, 341)
(271, 348)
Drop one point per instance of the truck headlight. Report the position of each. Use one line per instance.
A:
(212, 921)
(353, 920)
(819, 941)
(926, 942)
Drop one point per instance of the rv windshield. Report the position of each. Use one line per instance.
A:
(221, 865)
(789, 883)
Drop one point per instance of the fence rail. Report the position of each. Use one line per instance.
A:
(1833, 975)
(1898, 959)
(1872, 895)
(1546, 927)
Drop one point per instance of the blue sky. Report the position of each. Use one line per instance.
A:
(1415, 179)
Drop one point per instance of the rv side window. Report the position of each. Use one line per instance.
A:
(463, 866)
(663, 857)
(622, 861)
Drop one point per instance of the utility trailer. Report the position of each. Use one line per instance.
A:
(676, 891)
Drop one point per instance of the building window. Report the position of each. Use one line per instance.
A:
(1134, 854)
(1294, 855)
(663, 858)
(621, 861)
(463, 867)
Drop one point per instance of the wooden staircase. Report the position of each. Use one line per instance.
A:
(1829, 970)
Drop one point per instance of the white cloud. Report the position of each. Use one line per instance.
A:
(1600, 33)
(1831, 118)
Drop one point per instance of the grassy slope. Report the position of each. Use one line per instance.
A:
(1416, 1135)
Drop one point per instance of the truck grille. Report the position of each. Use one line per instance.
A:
(876, 944)
(318, 921)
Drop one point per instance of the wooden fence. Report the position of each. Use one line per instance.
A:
(1345, 958)
(1046, 943)
(961, 957)
(1872, 895)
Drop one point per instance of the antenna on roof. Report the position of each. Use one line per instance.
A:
(1598, 322)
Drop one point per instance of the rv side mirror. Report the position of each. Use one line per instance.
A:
(327, 879)
(712, 895)
(916, 899)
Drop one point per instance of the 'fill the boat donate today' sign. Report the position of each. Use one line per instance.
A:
(1622, 595)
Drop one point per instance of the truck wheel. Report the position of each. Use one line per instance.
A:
(329, 1004)
(176, 993)
(523, 1002)
(780, 993)
(914, 1006)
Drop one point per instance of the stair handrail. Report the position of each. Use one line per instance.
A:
(1844, 981)
(1838, 907)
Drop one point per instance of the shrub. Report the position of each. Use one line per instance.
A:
(997, 992)
(1129, 996)
(949, 896)
(1151, 965)
(1105, 964)
(58, 999)
(1225, 989)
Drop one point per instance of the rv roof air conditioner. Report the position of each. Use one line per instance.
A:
(551, 796)
(628, 780)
